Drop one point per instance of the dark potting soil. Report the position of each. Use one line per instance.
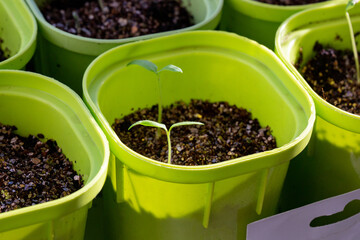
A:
(116, 19)
(332, 74)
(228, 132)
(32, 171)
(290, 2)
(4, 52)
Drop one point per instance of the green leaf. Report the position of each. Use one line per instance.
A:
(184, 124)
(149, 123)
(351, 4)
(145, 64)
(171, 68)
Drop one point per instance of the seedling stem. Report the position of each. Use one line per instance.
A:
(101, 4)
(77, 21)
(349, 6)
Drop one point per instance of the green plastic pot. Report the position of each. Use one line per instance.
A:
(147, 199)
(256, 20)
(38, 104)
(330, 165)
(18, 30)
(65, 56)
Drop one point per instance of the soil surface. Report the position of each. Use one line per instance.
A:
(290, 2)
(332, 74)
(116, 19)
(32, 171)
(228, 132)
(4, 52)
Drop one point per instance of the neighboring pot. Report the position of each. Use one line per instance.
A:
(65, 56)
(37, 104)
(330, 165)
(18, 30)
(148, 199)
(256, 20)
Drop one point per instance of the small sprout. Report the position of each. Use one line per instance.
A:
(101, 4)
(349, 6)
(77, 21)
(5, 194)
(153, 68)
(149, 123)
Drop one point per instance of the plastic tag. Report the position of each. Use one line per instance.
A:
(331, 219)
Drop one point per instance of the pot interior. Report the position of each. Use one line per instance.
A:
(210, 74)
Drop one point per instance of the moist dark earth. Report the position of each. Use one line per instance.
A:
(290, 2)
(116, 19)
(32, 171)
(332, 74)
(228, 132)
(4, 52)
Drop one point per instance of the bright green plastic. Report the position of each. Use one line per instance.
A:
(65, 56)
(38, 104)
(330, 165)
(18, 30)
(147, 199)
(256, 20)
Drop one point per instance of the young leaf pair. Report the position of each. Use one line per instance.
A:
(149, 123)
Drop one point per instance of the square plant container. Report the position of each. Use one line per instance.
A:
(148, 199)
(37, 104)
(65, 56)
(330, 165)
(258, 21)
(18, 31)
